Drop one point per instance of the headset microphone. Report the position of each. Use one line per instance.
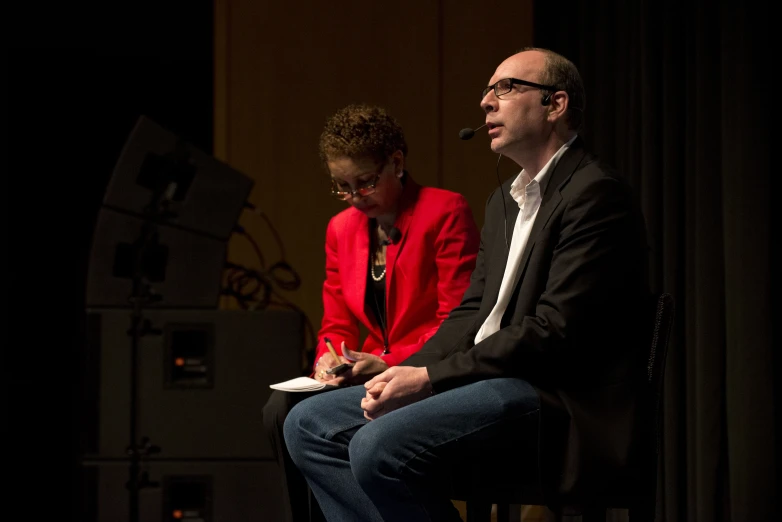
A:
(468, 133)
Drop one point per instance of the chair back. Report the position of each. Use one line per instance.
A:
(658, 351)
(662, 311)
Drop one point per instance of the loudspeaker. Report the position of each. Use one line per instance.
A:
(209, 195)
(203, 379)
(168, 211)
(184, 268)
(187, 491)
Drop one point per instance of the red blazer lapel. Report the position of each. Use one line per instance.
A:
(355, 263)
(402, 223)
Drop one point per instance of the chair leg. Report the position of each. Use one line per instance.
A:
(478, 511)
(508, 512)
(593, 514)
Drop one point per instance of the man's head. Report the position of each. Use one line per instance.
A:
(534, 101)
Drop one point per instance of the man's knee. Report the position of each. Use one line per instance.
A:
(508, 393)
(291, 429)
(372, 455)
(299, 423)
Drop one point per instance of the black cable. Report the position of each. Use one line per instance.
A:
(249, 287)
(284, 276)
(254, 244)
(269, 224)
(281, 273)
(255, 289)
(274, 233)
(504, 208)
(309, 329)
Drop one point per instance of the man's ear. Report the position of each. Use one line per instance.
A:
(558, 104)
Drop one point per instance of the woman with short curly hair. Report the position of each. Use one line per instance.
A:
(398, 260)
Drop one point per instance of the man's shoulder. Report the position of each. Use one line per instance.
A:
(593, 171)
(503, 190)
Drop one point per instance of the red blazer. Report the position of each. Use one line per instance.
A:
(427, 272)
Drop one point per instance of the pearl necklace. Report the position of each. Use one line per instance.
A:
(383, 273)
(381, 276)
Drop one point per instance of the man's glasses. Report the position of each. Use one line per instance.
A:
(505, 85)
(342, 190)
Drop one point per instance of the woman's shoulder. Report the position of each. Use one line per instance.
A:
(344, 221)
(437, 207)
(439, 196)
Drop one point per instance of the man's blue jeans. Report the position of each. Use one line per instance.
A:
(400, 467)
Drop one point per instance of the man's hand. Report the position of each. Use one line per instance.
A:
(366, 366)
(394, 388)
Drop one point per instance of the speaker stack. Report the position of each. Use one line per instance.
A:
(174, 387)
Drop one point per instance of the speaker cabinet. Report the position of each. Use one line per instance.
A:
(175, 277)
(203, 379)
(186, 491)
(209, 195)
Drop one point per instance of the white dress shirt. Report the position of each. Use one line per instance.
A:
(527, 194)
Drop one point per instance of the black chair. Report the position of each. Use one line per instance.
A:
(509, 498)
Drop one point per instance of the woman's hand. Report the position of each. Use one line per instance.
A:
(366, 366)
(325, 363)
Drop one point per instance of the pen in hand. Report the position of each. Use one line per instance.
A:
(339, 368)
(331, 349)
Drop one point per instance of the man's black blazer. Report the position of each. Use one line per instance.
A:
(575, 327)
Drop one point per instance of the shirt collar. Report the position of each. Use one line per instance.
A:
(519, 186)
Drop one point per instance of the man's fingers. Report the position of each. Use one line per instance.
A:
(371, 405)
(383, 377)
(377, 389)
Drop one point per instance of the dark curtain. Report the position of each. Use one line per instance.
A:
(679, 98)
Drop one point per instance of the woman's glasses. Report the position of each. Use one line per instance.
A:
(341, 190)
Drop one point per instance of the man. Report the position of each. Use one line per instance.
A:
(542, 362)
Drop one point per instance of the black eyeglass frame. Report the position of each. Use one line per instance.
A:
(516, 81)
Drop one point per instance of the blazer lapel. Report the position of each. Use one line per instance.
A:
(552, 197)
(500, 260)
(357, 264)
(404, 217)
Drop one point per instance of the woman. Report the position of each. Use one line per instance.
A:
(397, 261)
